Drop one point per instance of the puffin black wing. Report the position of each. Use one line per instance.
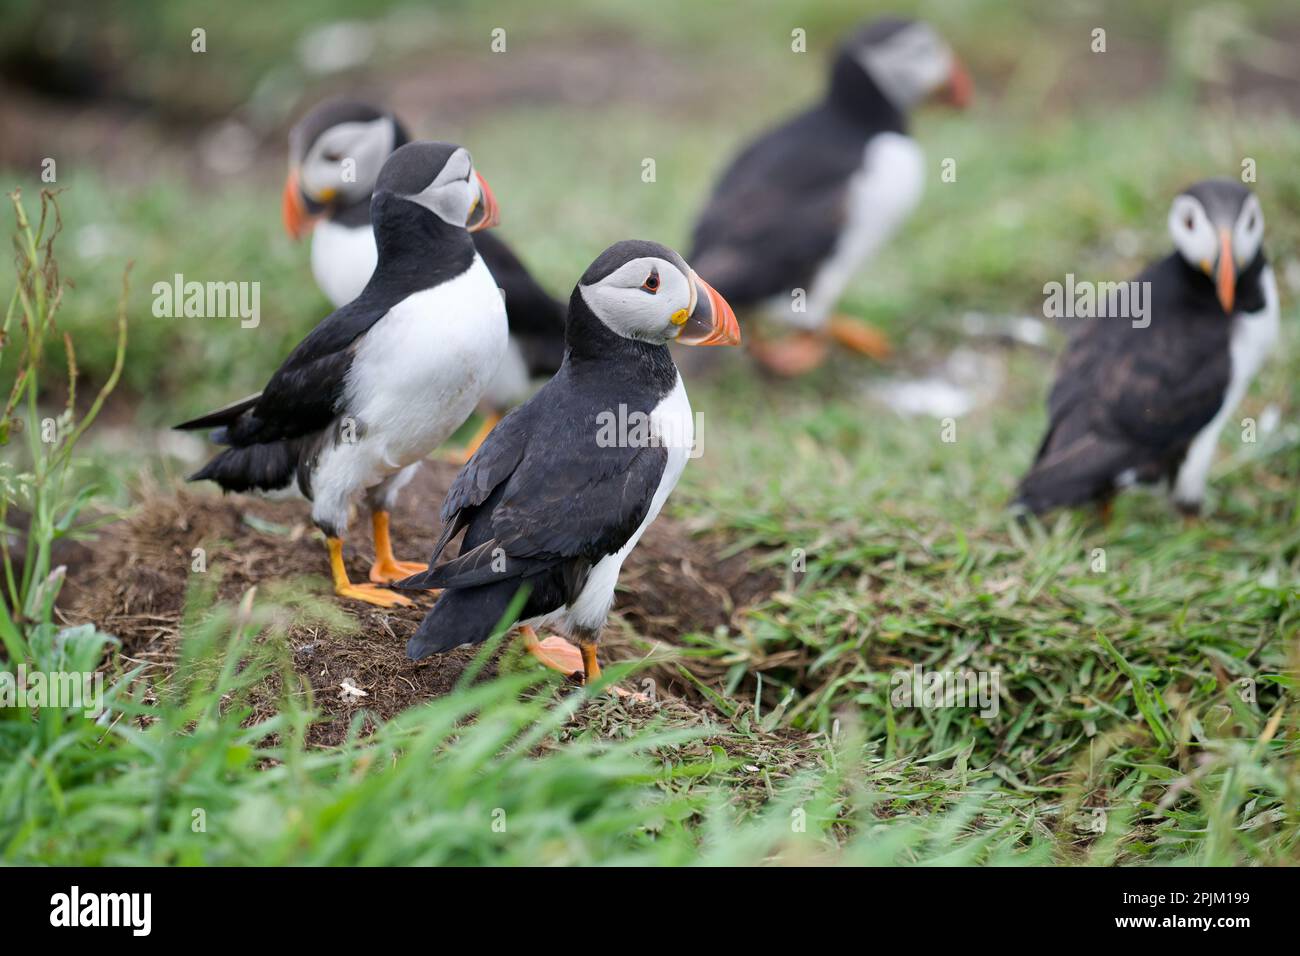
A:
(221, 416)
(541, 499)
(1128, 398)
(538, 510)
(266, 432)
(777, 211)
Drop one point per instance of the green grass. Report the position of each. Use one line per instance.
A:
(1120, 696)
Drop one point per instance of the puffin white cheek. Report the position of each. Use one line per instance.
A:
(450, 202)
(1247, 237)
(936, 69)
(1196, 242)
(642, 316)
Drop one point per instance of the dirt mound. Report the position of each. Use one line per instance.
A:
(136, 576)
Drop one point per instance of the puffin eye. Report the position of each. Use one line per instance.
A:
(1250, 223)
(1189, 221)
(331, 156)
(651, 283)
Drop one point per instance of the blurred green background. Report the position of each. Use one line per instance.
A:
(172, 159)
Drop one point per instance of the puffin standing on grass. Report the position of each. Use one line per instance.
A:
(555, 498)
(1135, 404)
(335, 153)
(385, 379)
(802, 208)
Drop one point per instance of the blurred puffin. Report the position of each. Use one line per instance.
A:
(386, 378)
(335, 153)
(555, 498)
(1133, 404)
(809, 202)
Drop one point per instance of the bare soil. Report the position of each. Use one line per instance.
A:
(133, 583)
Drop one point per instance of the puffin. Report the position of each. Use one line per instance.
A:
(561, 491)
(335, 153)
(383, 380)
(806, 204)
(1136, 403)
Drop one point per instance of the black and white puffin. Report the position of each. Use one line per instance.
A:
(382, 381)
(335, 153)
(804, 206)
(558, 494)
(1135, 404)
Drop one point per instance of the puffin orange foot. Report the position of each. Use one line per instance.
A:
(859, 337)
(388, 571)
(554, 652)
(380, 597)
(792, 355)
(372, 594)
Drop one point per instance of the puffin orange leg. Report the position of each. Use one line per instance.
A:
(591, 673)
(387, 568)
(795, 354)
(554, 652)
(380, 597)
(590, 666)
(860, 337)
(465, 454)
(1106, 510)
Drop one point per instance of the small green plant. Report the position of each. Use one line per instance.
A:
(46, 489)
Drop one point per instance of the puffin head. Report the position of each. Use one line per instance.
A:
(645, 291)
(1218, 227)
(335, 154)
(441, 178)
(907, 61)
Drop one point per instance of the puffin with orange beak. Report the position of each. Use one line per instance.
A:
(1143, 399)
(801, 209)
(563, 488)
(335, 153)
(385, 379)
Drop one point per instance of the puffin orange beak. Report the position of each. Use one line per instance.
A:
(1225, 282)
(297, 220)
(960, 89)
(711, 322)
(486, 213)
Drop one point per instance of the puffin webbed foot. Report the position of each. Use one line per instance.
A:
(792, 355)
(860, 337)
(373, 594)
(553, 652)
(369, 593)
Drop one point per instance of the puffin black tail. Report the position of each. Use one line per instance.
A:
(265, 467)
(462, 616)
(1077, 475)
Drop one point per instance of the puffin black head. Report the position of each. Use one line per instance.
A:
(439, 177)
(906, 60)
(1218, 227)
(335, 154)
(645, 291)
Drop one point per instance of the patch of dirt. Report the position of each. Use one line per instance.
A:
(134, 580)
